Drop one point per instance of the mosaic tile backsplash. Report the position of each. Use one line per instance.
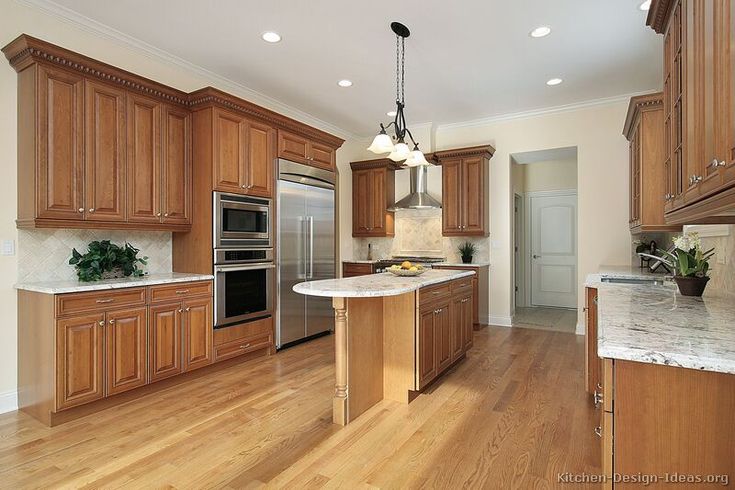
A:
(44, 254)
(419, 232)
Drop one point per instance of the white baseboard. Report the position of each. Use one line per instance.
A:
(8, 401)
(499, 321)
(580, 328)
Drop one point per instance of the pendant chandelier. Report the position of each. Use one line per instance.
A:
(384, 143)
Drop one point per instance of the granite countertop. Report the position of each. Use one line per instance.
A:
(623, 272)
(657, 325)
(60, 287)
(462, 264)
(373, 285)
(360, 261)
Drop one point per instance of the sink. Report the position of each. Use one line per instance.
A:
(654, 281)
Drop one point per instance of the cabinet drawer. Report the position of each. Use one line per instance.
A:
(351, 269)
(175, 291)
(94, 301)
(236, 333)
(462, 285)
(240, 347)
(429, 294)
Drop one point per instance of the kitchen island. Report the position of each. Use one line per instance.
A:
(394, 335)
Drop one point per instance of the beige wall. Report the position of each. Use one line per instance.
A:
(550, 176)
(16, 19)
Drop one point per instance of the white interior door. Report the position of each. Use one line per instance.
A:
(554, 250)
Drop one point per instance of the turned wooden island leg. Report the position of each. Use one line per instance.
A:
(339, 407)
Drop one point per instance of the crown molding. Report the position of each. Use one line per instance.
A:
(658, 15)
(638, 105)
(484, 151)
(101, 30)
(560, 109)
(377, 163)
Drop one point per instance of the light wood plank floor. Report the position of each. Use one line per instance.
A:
(512, 415)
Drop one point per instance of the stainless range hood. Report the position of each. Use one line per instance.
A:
(419, 197)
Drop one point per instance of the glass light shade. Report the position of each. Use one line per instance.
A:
(416, 158)
(401, 152)
(382, 144)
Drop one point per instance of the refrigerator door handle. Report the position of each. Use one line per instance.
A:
(301, 271)
(311, 246)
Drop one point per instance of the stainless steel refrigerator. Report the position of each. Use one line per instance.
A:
(306, 245)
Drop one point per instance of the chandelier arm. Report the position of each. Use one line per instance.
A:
(411, 136)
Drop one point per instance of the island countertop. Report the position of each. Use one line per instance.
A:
(656, 324)
(375, 285)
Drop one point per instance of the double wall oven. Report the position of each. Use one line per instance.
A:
(243, 259)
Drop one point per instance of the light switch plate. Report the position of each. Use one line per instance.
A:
(8, 247)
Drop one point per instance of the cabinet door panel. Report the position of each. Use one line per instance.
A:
(726, 89)
(259, 162)
(164, 341)
(79, 360)
(104, 167)
(228, 148)
(473, 192)
(451, 197)
(144, 159)
(443, 332)
(197, 333)
(322, 156)
(60, 144)
(361, 194)
(468, 313)
(292, 147)
(427, 352)
(176, 185)
(457, 315)
(376, 200)
(126, 350)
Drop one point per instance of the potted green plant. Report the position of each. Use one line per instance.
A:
(105, 260)
(690, 264)
(467, 251)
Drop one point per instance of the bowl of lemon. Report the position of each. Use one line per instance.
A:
(406, 269)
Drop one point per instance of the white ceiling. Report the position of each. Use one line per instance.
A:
(466, 59)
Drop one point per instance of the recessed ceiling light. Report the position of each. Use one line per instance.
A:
(554, 81)
(391, 113)
(541, 31)
(344, 83)
(646, 5)
(271, 37)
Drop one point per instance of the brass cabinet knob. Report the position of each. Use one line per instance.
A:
(81, 210)
(188, 308)
(598, 431)
(101, 323)
(112, 322)
(91, 210)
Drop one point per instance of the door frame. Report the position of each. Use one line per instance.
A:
(528, 234)
(519, 266)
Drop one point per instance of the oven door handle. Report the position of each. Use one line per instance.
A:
(241, 267)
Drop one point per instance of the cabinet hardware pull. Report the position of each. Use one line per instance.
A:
(91, 210)
(180, 310)
(182, 291)
(594, 300)
(243, 186)
(598, 431)
(713, 164)
(245, 346)
(101, 323)
(165, 215)
(188, 308)
(599, 386)
(112, 322)
(81, 210)
(101, 301)
(158, 214)
(597, 398)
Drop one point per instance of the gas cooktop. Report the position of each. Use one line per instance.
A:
(398, 259)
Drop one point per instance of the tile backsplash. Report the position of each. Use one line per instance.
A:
(723, 263)
(44, 254)
(419, 232)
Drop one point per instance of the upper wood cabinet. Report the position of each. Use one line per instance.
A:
(465, 187)
(699, 108)
(644, 129)
(243, 155)
(302, 150)
(373, 193)
(98, 147)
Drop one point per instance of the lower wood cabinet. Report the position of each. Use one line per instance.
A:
(445, 327)
(593, 364)
(352, 269)
(244, 338)
(78, 348)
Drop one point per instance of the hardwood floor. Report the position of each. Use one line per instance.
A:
(512, 415)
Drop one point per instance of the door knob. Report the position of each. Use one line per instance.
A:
(536, 256)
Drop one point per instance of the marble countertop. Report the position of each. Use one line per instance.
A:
(60, 287)
(656, 324)
(384, 284)
(360, 261)
(462, 264)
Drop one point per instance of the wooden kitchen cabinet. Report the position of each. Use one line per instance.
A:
(80, 376)
(197, 333)
(465, 187)
(104, 155)
(243, 155)
(125, 339)
(480, 285)
(98, 147)
(373, 193)
(164, 341)
(302, 150)
(644, 130)
(427, 362)
(699, 105)
(352, 269)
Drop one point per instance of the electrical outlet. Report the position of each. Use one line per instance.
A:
(721, 259)
(8, 247)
